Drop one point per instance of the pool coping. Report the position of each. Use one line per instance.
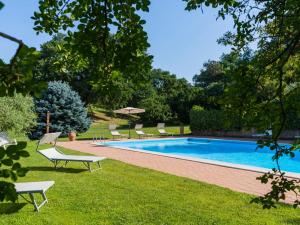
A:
(205, 161)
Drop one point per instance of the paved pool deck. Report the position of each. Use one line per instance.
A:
(232, 178)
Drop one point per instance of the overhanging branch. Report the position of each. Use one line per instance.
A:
(19, 42)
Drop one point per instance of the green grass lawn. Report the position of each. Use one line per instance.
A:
(102, 119)
(125, 194)
(101, 130)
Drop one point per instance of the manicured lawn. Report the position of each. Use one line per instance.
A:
(125, 194)
(101, 130)
(102, 119)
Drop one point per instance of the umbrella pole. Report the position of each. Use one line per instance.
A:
(129, 128)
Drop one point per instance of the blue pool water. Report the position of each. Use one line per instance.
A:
(237, 152)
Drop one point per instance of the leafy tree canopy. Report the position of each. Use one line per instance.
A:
(109, 33)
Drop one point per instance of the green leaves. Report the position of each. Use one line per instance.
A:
(1, 5)
(17, 75)
(10, 169)
(17, 115)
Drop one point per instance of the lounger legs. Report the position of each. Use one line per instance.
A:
(88, 165)
(56, 164)
(36, 206)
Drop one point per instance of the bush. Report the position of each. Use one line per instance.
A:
(201, 119)
(67, 111)
(17, 114)
(213, 120)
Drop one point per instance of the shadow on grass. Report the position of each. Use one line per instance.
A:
(293, 221)
(9, 208)
(60, 169)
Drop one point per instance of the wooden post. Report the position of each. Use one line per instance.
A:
(47, 122)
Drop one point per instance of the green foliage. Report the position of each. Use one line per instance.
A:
(212, 120)
(177, 93)
(266, 87)
(66, 109)
(17, 114)
(11, 169)
(206, 120)
(115, 92)
(212, 80)
(122, 53)
(1, 5)
(156, 109)
(17, 76)
(57, 62)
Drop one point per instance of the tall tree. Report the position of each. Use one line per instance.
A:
(124, 52)
(274, 26)
(212, 79)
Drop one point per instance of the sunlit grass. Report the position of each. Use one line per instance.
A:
(124, 194)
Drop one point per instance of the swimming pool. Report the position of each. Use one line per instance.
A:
(241, 154)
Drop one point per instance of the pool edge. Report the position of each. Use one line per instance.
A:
(205, 161)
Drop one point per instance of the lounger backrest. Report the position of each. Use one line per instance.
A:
(50, 153)
(138, 126)
(140, 132)
(3, 141)
(160, 125)
(49, 138)
(162, 131)
(269, 132)
(115, 133)
(112, 126)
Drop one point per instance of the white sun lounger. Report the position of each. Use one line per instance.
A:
(141, 133)
(55, 156)
(114, 132)
(32, 188)
(6, 141)
(162, 131)
(268, 133)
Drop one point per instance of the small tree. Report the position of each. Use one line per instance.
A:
(66, 108)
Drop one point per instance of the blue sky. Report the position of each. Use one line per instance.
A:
(180, 41)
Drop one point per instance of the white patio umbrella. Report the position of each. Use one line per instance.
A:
(129, 111)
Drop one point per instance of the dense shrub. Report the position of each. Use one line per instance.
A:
(201, 119)
(66, 109)
(17, 115)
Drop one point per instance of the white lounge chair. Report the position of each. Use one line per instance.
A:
(114, 132)
(6, 141)
(33, 188)
(55, 156)
(139, 132)
(268, 133)
(162, 131)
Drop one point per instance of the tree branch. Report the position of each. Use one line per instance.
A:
(19, 42)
